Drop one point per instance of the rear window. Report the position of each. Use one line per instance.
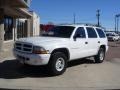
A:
(101, 33)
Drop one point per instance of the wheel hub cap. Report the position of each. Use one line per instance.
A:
(101, 55)
(60, 64)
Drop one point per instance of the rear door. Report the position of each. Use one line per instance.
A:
(92, 41)
(102, 37)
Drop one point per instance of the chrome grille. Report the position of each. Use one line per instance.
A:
(23, 47)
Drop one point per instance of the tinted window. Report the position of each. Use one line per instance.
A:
(60, 31)
(91, 33)
(80, 33)
(100, 33)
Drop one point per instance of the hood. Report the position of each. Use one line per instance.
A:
(43, 40)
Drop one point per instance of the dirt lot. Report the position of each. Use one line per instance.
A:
(81, 74)
(114, 50)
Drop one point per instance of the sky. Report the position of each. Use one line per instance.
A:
(61, 11)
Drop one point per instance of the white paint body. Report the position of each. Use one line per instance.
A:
(77, 48)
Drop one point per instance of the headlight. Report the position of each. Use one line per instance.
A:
(39, 50)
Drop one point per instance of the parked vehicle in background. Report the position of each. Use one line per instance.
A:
(112, 36)
(62, 44)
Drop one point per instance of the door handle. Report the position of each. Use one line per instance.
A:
(86, 42)
(98, 41)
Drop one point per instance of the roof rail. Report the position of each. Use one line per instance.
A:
(86, 24)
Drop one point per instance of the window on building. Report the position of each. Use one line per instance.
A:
(8, 28)
(101, 33)
(80, 33)
(91, 32)
(21, 29)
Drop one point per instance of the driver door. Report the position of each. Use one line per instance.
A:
(79, 44)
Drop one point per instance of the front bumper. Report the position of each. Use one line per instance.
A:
(32, 59)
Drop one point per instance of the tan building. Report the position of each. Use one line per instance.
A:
(14, 21)
(35, 24)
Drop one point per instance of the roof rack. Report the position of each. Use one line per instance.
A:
(86, 24)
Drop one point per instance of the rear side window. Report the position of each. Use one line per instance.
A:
(80, 32)
(91, 32)
(101, 33)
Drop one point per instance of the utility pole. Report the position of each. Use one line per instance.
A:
(74, 18)
(115, 23)
(98, 17)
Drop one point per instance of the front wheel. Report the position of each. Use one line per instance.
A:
(58, 63)
(99, 58)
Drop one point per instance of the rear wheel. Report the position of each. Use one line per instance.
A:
(99, 58)
(58, 63)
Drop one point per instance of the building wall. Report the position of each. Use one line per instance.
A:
(35, 24)
(1, 29)
(28, 2)
(10, 12)
(15, 3)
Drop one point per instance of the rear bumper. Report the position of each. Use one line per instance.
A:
(32, 59)
(107, 47)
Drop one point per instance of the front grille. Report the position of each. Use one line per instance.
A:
(23, 58)
(23, 47)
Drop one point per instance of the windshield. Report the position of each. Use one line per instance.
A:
(60, 31)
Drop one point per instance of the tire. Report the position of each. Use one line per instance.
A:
(114, 40)
(58, 63)
(99, 58)
(27, 65)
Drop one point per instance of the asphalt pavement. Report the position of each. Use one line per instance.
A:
(82, 74)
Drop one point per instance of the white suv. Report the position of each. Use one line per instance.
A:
(62, 44)
(112, 36)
